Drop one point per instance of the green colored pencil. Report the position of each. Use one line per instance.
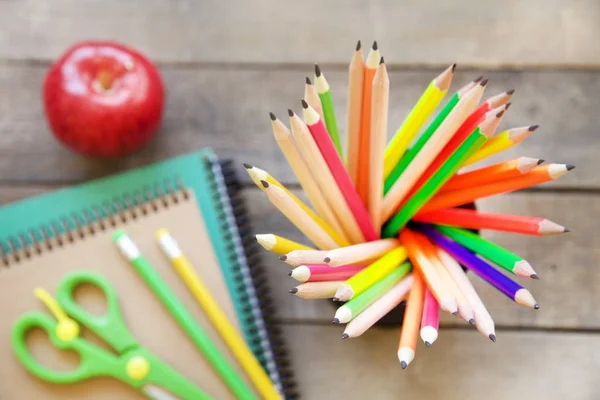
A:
(496, 254)
(433, 185)
(129, 249)
(358, 304)
(328, 112)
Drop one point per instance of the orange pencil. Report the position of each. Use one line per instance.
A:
(412, 321)
(356, 75)
(537, 176)
(493, 173)
(364, 155)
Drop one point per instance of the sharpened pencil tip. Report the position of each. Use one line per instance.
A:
(471, 321)
(570, 167)
(484, 82)
(453, 67)
(403, 364)
(317, 70)
(290, 112)
(283, 258)
(358, 45)
(326, 260)
(500, 114)
(507, 106)
(567, 230)
(536, 306)
(375, 47)
(345, 336)
(511, 91)
(541, 161)
(255, 238)
(293, 290)
(273, 117)
(335, 321)
(290, 273)
(533, 128)
(381, 61)
(534, 276)
(304, 104)
(492, 337)
(265, 184)
(307, 80)
(247, 166)
(478, 79)
(455, 313)
(335, 299)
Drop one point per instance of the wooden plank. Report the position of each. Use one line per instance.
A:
(567, 291)
(527, 33)
(460, 365)
(227, 109)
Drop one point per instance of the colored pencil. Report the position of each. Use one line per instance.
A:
(472, 219)
(538, 175)
(323, 273)
(483, 319)
(501, 142)
(358, 253)
(410, 155)
(358, 304)
(370, 275)
(278, 244)
(356, 71)
(340, 175)
(379, 122)
(328, 116)
(487, 106)
(429, 100)
(291, 152)
(431, 149)
(316, 290)
(364, 150)
(410, 240)
(296, 258)
(411, 322)
(297, 216)
(487, 249)
(312, 97)
(430, 320)
(237, 345)
(493, 173)
(258, 175)
(325, 179)
(507, 286)
(433, 185)
(386, 303)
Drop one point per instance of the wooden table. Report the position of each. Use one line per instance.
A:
(227, 64)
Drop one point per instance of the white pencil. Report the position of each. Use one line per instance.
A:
(316, 290)
(358, 253)
(298, 257)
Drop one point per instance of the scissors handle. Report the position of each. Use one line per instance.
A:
(110, 326)
(94, 361)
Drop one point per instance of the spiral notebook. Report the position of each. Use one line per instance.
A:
(197, 198)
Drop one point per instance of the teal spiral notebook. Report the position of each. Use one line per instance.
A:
(25, 226)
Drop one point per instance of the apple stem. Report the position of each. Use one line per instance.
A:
(104, 79)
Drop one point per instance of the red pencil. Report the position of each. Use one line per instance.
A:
(336, 166)
(324, 273)
(472, 219)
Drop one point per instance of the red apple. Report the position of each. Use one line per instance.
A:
(103, 99)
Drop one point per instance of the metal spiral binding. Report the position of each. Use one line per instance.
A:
(87, 222)
(251, 280)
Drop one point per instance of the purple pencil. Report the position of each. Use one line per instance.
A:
(510, 288)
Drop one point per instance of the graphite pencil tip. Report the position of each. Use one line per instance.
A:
(478, 79)
(484, 82)
(345, 336)
(293, 290)
(273, 117)
(455, 313)
(534, 276)
(381, 61)
(358, 45)
(290, 112)
(317, 70)
(536, 306)
(472, 321)
(247, 166)
(326, 260)
(541, 161)
(570, 167)
(290, 273)
(403, 364)
(507, 106)
(304, 104)
(255, 238)
(533, 128)
(283, 258)
(500, 114)
(453, 67)
(427, 344)
(511, 91)
(492, 337)
(335, 299)
(335, 321)
(307, 80)
(375, 47)
(265, 184)
(567, 230)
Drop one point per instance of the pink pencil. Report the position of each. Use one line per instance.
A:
(336, 166)
(324, 273)
(430, 321)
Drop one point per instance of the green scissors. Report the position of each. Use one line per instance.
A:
(135, 365)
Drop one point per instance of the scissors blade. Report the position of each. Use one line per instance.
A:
(158, 393)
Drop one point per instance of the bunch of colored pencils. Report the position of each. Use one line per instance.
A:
(387, 220)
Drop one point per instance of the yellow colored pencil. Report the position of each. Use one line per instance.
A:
(278, 244)
(501, 142)
(257, 175)
(230, 336)
(427, 103)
